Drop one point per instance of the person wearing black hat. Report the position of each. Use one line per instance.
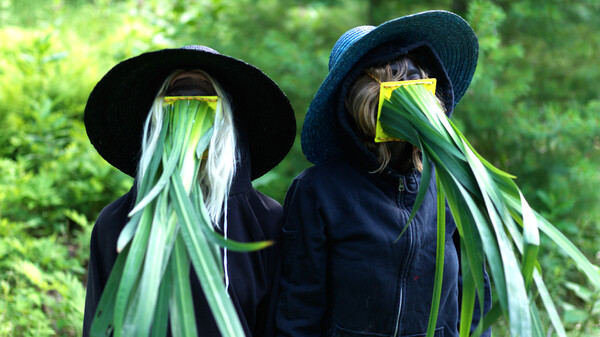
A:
(344, 273)
(253, 131)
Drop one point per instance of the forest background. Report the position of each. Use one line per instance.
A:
(532, 109)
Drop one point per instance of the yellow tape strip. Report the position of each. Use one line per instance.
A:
(170, 99)
(385, 92)
(211, 100)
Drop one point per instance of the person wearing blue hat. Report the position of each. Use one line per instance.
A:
(344, 273)
(254, 129)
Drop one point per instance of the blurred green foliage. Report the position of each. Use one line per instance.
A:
(533, 109)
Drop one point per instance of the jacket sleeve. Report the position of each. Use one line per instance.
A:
(95, 285)
(103, 254)
(302, 300)
(265, 311)
(487, 301)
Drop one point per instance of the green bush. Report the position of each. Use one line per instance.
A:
(532, 109)
(52, 182)
(42, 292)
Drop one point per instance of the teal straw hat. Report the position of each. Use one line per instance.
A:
(448, 35)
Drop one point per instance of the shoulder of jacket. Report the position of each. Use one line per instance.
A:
(116, 213)
(335, 169)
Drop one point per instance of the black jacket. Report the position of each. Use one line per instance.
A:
(253, 276)
(343, 273)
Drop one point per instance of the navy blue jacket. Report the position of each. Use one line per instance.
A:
(253, 276)
(343, 273)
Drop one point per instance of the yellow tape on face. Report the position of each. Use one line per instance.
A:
(385, 92)
(211, 100)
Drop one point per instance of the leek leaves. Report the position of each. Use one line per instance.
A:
(169, 231)
(496, 225)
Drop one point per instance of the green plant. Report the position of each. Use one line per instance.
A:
(41, 291)
(532, 109)
(487, 206)
(168, 228)
(51, 181)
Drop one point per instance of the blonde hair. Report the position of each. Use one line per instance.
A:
(216, 175)
(361, 102)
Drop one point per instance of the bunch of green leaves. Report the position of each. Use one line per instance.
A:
(495, 223)
(40, 294)
(169, 230)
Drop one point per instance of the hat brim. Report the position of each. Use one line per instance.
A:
(446, 33)
(120, 101)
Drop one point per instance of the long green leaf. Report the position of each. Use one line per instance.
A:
(128, 231)
(205, 264)
(490, 247)
(201, 217)
(531, 240)
(159, 186)
(590, 270)
(143, 311)
(470, 239)
(161, 313)
(131, 270)
(468, 295)
(103, 317)
(538, 328)
(439, 259)
(549, 305)
(518, 301)
(183, 319)
(486, 205)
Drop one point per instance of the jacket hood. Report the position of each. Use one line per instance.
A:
(242, 180)
(424, 56)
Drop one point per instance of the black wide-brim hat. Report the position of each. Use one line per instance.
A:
(119, 104)
(450, 38)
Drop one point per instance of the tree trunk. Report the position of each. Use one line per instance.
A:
(460, 7)
(372, 12)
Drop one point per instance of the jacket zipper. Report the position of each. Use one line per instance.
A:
(402, 188)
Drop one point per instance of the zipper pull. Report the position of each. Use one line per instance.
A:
(401, 185)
